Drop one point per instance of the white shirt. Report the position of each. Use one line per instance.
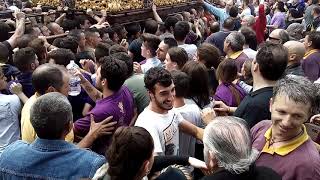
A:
(10, 108)
(191, 113)
(250, 53)
(245, 12)
(150, 63)
(164, 129)
(191, 50)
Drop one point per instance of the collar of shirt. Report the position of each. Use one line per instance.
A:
(52, 145)
(235, 55)
(310, 52)
(294, 65)
(259, 91)
(153, 60)
(288, 147)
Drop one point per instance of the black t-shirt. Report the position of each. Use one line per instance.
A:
(255, 106)
(254, 173)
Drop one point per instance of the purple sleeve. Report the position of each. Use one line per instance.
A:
(275, 21)
(81, 126)
(311, 67)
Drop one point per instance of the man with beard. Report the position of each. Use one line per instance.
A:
(160, 120)
(116, 101)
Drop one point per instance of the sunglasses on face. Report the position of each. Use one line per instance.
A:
(273, 38)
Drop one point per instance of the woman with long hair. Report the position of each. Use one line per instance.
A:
(228, 92)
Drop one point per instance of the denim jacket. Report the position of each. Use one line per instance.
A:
(48, 159)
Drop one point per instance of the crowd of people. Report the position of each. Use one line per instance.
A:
(220, 92)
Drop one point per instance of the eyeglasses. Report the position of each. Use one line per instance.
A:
(273, 38)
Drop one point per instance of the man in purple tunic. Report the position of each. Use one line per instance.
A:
(311, 60)
(283, 142)
(117, 101)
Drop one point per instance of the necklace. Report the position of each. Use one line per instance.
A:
(272, 141)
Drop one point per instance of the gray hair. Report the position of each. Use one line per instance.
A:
(250, 19)
(295, 31)
(229, 139)
(283, 36)
(50, 115)
(236, 40)
(297, 88)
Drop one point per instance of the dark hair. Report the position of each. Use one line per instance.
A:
(117, 48)
(229, 23)
(227, 72)
(214, 27)
(234, 11)
(82, 19)
(199, 83)
(181, 83)
(51, 115)
(170, 22)
(107, 30)
(61, 56)
(268, 10)
(76, 33)
(272, 59)
(314, 2)
(178, 55)
(101, 50)
(130, 147)
(23, 58)
(24, 40)
(151, 26)
(125, 58)
(181, 30)
(133, 29)
(280, 6)
(171, 42)
(69, 43)
(151, 42)
(284, 36)
(114, 71)
(314, 37)
(69, 24)
(209, 55)
(47, 75)
(4, 53)
(250, 37)
(56, 42)
(157, 75)
(39, 48)
(4, 31)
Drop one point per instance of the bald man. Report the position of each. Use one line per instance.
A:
(296, 51)
(279, 36)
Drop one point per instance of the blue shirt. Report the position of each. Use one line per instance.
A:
(48, 159)
(221, 13)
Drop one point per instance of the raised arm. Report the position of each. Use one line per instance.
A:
(20, 28)
(155, 14)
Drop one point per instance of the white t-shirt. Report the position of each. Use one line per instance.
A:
(164, 129)
(191, 113)
(191, 50)
(150, 63)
